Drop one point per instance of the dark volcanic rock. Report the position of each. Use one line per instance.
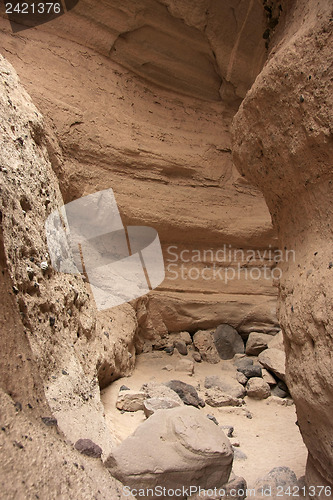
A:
(228, 342)
(186, 392)
(89, 448)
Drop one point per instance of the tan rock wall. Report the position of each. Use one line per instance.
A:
(165, 154)
(54, 343)
(283, 143)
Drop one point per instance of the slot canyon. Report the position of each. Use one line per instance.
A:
(211, 122)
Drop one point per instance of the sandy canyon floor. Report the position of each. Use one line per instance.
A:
(269, 439)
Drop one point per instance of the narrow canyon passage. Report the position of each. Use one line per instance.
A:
(211, 123)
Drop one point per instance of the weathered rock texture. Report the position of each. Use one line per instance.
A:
(283, 142)
(141, 95)
(53, 342)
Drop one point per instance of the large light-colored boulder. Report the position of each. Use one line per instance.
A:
(275, 361)
(174, 448)
(160, 391)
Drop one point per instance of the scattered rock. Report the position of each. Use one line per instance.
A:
(160, 391)
(233, 388)
(181, 347)
(279, 478)
(169, 350)
(181, 448)
(251, 371)
(168, 368)
(131, 400)
(241, 378)
(197, 357)
(227, 341)
(276, 342)
(89, 448)
(243, 362)
(257, 342)
(216, 398)
(212, 418)
(124, 388)
(185, 337)
(275, 361)
(268, 377)
(203, 340)
(186, 392)
(49, 421)
(257, 388)
(238, 485)
(151, 405)
(280, 401)
(280, 390)
(229, 430)
(239, 454)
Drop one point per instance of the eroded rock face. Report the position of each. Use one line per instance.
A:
(283, 143)
(141, 95)
(52, 338)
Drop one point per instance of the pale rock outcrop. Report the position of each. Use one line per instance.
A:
(268, 377)
(151, 405)
(283, 144)
(277, 342)
(216, 398)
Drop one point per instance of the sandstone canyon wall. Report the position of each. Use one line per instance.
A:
(141, 96)
(283, 142)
